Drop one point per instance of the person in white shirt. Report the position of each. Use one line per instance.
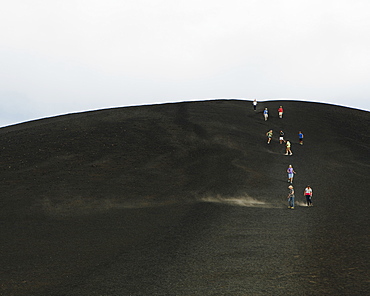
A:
(308, 195)
(255, 104)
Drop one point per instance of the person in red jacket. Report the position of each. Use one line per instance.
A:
(281, 111)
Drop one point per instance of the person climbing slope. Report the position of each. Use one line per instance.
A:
(288, 148)
(291, 197)
(281, 111)
(266, 114)
(255, 104)
(291, 173)
(308, 195)
(300, 136)
(269, 136)
(281, 137)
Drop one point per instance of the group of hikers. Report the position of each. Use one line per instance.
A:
(308, 190)
(288, 145)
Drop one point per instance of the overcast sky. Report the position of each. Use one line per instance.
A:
(64, 56)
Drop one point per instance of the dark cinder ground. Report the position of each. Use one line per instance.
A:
(186, 199)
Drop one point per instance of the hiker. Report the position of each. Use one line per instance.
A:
(269, 136)
(300, 135)
(291, 173)
(266, 114)
(255, 104)
(281, 111)
(281, 137)
(291, 197)
(308, 194)
(288, 150)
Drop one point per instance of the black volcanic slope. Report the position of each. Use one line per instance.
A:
(186, 199)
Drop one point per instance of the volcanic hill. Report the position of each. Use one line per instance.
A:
(186, 199)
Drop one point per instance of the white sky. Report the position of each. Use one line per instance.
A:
(64, 56)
